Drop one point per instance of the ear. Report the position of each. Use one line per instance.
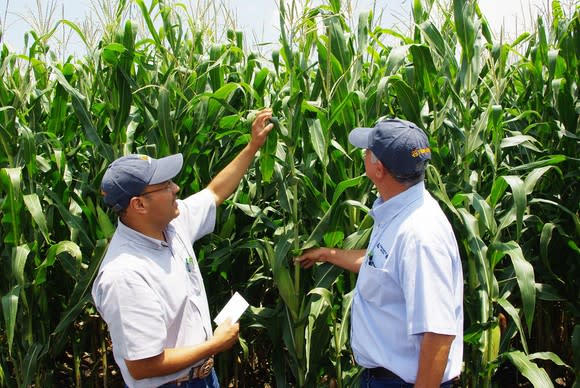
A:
(380, 170)
(137, 205)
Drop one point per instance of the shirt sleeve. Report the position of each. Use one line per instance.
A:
(198, 213)
(427, 283)
(134, 315)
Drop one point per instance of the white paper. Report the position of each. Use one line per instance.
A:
(232, 310)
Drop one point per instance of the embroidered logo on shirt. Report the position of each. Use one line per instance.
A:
(383, 250)
(189, 264)
(371, 258)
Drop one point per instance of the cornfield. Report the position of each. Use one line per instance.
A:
(503, 123)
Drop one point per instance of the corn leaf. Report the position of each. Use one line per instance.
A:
(32, 203)
(520, 201)
(10, 310)
(537, 376)
(31, 361)
(524, 276)
(55, 251)
(20, 257)
(10, 178)
(319, 140)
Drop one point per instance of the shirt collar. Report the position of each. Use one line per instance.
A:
(138, 238)
(384, 211)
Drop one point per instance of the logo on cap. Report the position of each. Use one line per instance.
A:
(421, 151)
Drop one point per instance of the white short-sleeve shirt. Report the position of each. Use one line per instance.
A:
(151, 293)
(410, 282)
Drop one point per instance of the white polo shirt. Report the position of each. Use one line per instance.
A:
(411, 282)
(151, 293)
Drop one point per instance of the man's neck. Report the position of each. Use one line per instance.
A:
(146, 228)
(389, 188)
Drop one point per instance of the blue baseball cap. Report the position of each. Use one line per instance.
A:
(400, 145)
(128, 176)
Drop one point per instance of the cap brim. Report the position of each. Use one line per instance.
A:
(167, 168)
(359, 137)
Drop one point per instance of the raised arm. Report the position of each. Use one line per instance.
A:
(350, 260)
(228, 179)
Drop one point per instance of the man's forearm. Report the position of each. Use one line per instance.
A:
(351, 260)
(171, 360)
(228, 179)
(175, 359)
(433, 359)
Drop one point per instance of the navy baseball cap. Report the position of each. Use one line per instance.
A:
(128, 176)
(400, 145)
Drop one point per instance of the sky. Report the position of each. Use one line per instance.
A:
(258, 19)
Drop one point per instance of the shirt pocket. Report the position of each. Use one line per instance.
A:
(370, 283)
(377, 286)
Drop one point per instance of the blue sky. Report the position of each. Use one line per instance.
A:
(256, 18)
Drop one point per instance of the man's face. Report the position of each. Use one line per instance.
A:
(160, 200)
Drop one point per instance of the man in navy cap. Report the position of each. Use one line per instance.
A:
(149, 288)
(407, 310)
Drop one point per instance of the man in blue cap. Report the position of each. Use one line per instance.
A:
(407, 310)
(149, 288)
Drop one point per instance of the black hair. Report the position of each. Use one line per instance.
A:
(120, 212)
(414, 177)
